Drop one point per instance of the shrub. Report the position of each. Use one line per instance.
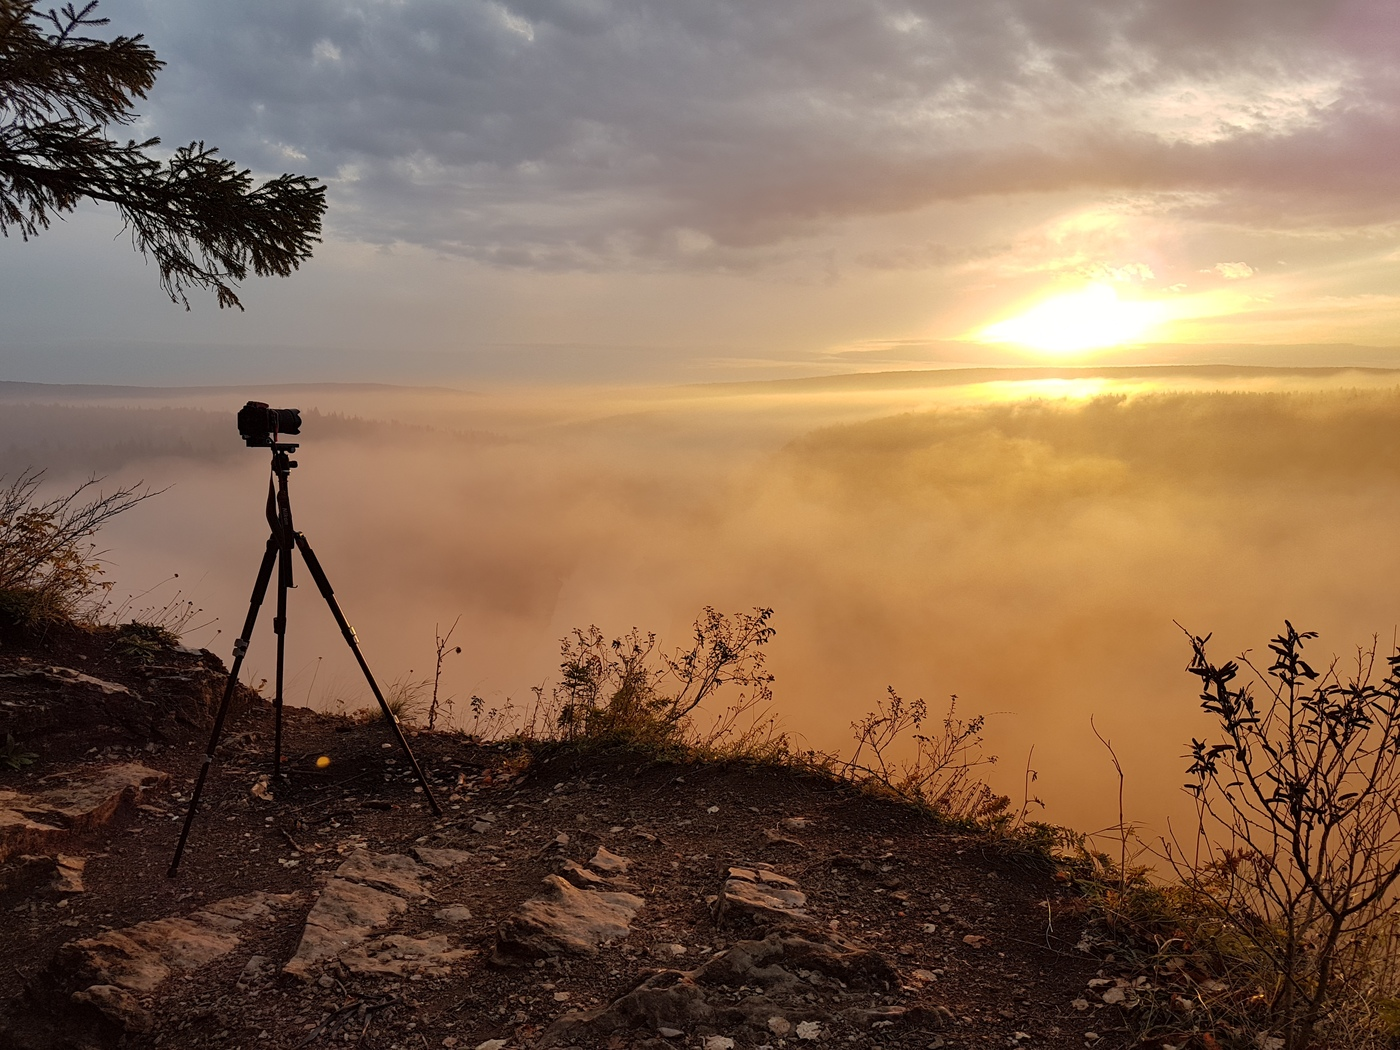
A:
(13, 755)
(623, 690)
(50, 568)
(1299, 852)
(941, 774)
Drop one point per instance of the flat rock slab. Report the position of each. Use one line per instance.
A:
(55, 874)
(33, 823)
(367, 892)
(606, 862)
(68, 676)
(397, 955)
(584, 879)
(764, 986)
(114, 969)
(387, 871)
(762, 896)
(443, 859)
(68, 875)
(565, 920)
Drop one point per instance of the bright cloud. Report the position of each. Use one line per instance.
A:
(1233, 271)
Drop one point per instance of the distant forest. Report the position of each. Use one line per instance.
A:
(64, 439)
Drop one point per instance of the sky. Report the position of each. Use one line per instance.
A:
(668, 191)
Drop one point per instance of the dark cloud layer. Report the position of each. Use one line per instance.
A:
(598, 133)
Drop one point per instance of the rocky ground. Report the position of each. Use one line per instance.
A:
(557, 902)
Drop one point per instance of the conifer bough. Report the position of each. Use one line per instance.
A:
(201, 219)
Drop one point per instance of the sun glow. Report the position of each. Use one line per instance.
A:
(1091, 318)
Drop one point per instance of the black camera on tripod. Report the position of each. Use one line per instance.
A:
(260, 426)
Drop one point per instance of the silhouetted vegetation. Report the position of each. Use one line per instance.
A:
(201, 219)
(50, 568)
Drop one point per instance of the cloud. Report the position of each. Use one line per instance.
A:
(1233, 271)
(611, 133)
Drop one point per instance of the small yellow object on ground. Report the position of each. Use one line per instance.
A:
(323, 762)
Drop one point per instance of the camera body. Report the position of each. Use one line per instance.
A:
(261, 426)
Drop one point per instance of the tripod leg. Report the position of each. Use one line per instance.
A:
(319, 575)
(240, 649)
(279, 626)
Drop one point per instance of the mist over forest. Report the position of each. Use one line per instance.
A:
(1026, 541)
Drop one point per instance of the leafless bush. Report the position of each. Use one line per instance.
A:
(942, 773)
(1299, 848)
(445, 648)
(49, 566)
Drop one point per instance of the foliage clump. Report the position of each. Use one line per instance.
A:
(199, 216)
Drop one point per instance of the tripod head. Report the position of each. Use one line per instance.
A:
(282, 461)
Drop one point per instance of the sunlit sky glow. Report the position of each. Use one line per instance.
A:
(1092, 318)
(571, 189)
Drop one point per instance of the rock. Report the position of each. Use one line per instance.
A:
(118, 1006)
(769, 877)
(367, 891)
(565, 920)
(795, 823)
(27, 873)
(68, 676)
(774, 837)
(588, 880)
(609, 863)
(443, 859)
(762, 897)
(582, 877)
(718, 1042)
(760, 985)
(386, 871)
(111, 969)
(396, 955)
(68, 875)
(257, 970)
(92, 799)
(454, 913)
(343, 916)
(29, 823)
(20, 833)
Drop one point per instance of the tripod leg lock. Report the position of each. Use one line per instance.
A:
(240, 647)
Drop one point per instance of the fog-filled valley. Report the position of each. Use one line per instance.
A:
(1028, 541)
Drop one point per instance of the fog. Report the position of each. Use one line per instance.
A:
(1024, 540)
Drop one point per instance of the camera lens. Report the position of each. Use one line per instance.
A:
(286, 420)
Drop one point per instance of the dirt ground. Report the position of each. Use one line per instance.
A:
(984, 941)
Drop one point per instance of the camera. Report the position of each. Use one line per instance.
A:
(260, 426)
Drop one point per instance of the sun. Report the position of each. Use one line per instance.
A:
(1090, 318)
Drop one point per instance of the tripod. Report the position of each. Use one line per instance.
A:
(279, 552)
